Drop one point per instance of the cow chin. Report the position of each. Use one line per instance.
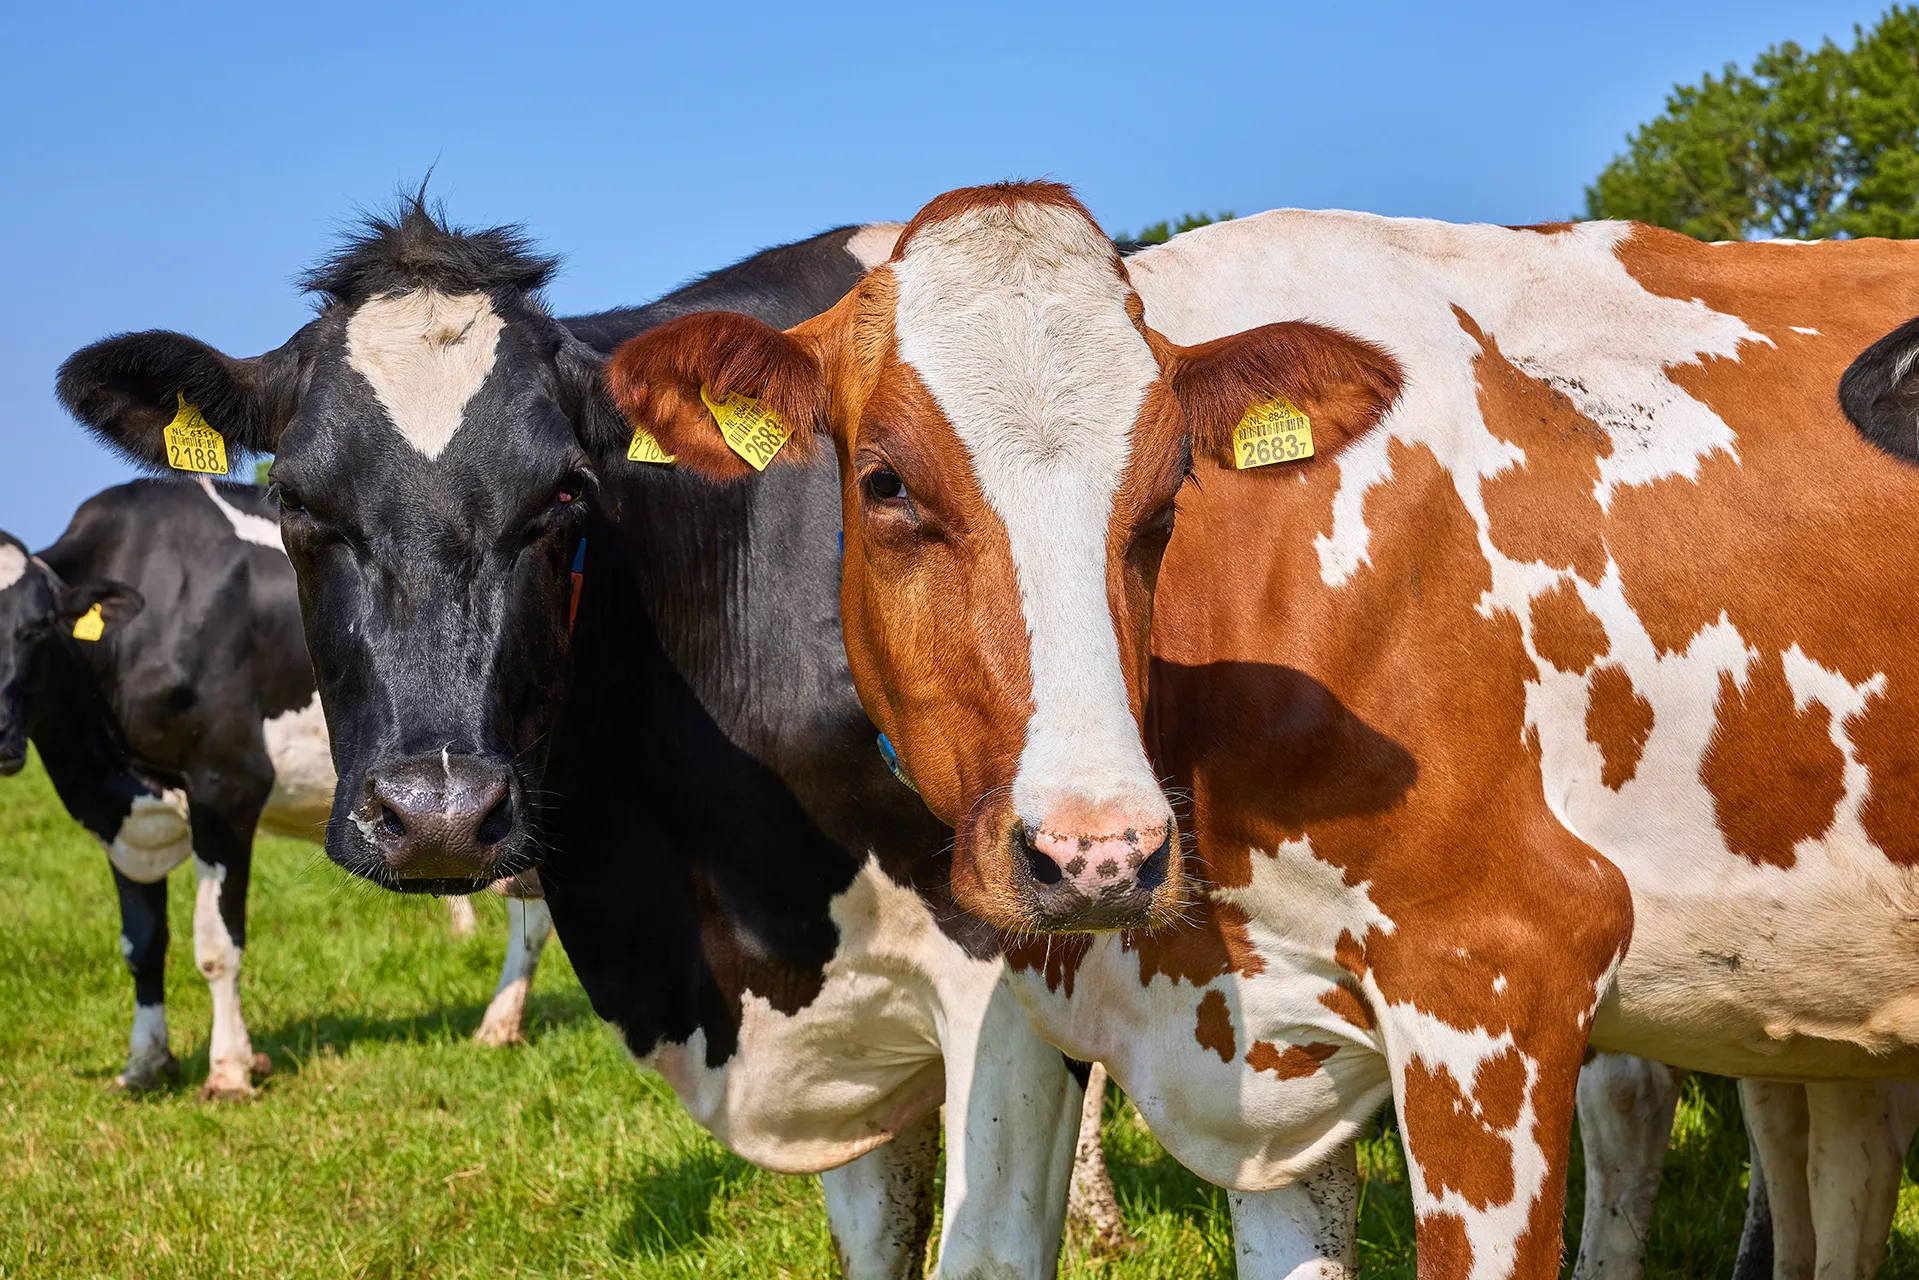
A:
(999, 877)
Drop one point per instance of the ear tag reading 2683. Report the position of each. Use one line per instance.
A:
(1272, 432)
(90, 625)
(192, 445)
(751, 429)
(646, 448)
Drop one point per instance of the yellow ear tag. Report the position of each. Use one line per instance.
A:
(192, 445)
(90, 625)
(645, 448)
(1272, 432)
(751, 429)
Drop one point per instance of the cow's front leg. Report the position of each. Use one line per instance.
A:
(1626, 1107)
(1305, 1231)
(880, 1206)
(143, 944)
(1012, 1120)
(530, 924)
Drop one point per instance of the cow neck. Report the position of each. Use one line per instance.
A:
(79, 740)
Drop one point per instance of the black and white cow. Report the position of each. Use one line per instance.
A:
(154, 656)
(746, 891)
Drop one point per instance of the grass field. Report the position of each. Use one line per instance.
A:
(386, 1145)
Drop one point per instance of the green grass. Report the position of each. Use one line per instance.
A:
(386, 1145)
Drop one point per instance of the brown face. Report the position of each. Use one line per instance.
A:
(1011, 439)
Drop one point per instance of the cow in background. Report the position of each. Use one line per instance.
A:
(153, 654)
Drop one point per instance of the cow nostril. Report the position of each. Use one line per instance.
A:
(392, 823)
(1043, 869)
(498, 823)
(1152, 872)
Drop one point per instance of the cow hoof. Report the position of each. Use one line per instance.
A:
(228, 1082)
(142, 1079)
(498, 1035)
(262, 1066)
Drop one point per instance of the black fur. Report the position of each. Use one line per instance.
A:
(414, 247)
(1879, 392)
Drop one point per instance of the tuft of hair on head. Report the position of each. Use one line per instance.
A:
(1009, 196)
(413, 246)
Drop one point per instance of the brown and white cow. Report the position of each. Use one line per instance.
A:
(1583, 622)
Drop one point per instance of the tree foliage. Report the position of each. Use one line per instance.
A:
(1807, 144)
(1165, 229)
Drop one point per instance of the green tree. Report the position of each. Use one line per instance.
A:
(1807, 144)
(1162, 231)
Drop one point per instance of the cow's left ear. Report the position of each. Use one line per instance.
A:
(1342, 384)
(1879, 392)
(116, 601)
(127, 389)
(723, 393)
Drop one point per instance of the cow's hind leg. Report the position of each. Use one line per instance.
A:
(530, 924)
(1626, 1107)
(1305, 1231)
(143, 944)
(460, 922)
(1092, 1211)
(880, 1206)
(1777, 1123)
(1754, 1261)
(1857, 1139)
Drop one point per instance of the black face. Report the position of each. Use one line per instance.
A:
(26, 620)
(435, 592)
(432, 498)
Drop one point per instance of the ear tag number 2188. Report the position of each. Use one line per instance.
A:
(751, 429)
(192, 445)
(1272, 432)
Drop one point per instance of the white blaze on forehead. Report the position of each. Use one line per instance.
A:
(13, 565)
(425, 355)
(1015, 319)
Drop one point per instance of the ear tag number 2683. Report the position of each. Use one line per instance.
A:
(192, 445)
(1272, 432)
(751, 429)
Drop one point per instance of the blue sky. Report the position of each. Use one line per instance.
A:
(177, 165)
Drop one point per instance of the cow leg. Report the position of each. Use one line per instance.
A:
(1012, 1119)
(143, 944)
(223, 864)
(1858, 1132)
(1777, 1124)
(879, 1207)
(460, 922)
(1626, 1107)
(530, 924)
(1305, 1231)
(1755, 1238)
(1092, 1209)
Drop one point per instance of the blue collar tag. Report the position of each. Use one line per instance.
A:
(893, 762)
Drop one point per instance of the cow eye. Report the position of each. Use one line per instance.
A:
(289, 500)
(572, 489)
(882, 485)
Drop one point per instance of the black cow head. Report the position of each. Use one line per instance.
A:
(36, 611)
(432, 496)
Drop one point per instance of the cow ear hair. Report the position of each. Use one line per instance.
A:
(1879, 392)
(657, 379)
(127, 388)
(119, 603)
(1343, 384)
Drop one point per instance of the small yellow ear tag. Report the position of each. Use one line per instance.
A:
(751, 429)
(90, 625)
(645, 448)
(192, 445)
(1272, 432)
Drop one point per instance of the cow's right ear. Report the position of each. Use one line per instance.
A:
(703, 386)
(127, 389)
(116, 604)
(1879, 392)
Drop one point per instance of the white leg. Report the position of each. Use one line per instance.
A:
(1626, 1108)
(880, 1207)
(1777, 1122)
(1012, 1119)
(459, 918)
(1092, 1211)
(230, 1054)
(1305, 1231)
(530, 925)
(1858, 1133)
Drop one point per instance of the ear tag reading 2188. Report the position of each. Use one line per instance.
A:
(1272, 432)
(646, 448)
(751, 429)
(192, 445)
